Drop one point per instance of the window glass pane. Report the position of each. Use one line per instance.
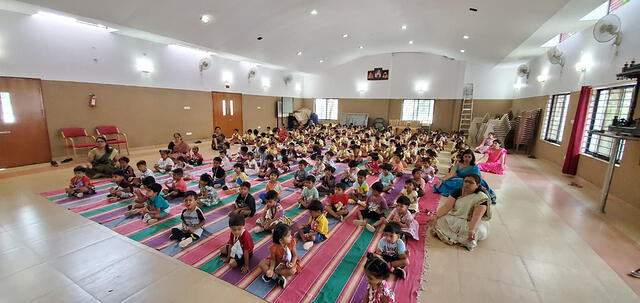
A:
(7, 108)
(421, 110)
(224, 108)
(231, 107)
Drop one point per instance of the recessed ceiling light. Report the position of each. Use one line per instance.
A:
(473, 9)
(465, 37)
(462, 50)
(299, 53)
(259, 38)
(345, 35)
(205, 18)
(411, 42)
(361, 46)
(321, 61)
(404, 27)
(314, 12)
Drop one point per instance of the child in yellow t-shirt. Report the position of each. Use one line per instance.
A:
(317, 230)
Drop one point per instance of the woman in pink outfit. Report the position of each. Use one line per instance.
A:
(486, 144)
(496, 161)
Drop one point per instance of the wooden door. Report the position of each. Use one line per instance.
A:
(227, 112)
(24, 138)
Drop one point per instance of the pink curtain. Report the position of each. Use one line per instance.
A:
(570, 166)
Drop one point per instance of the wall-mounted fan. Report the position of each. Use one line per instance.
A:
(204, 64)
(608, 28)
(523, 71)
(555, 56)
(251, 74)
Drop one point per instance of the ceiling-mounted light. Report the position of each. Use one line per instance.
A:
(314, 12)
(363, 87)
(465, 37)
(421, 87)
(298, 87)
(462, 50)
(321, 60)
(345, 35)
(266, 83)
(299, 53)
(404, 27)
(361, 46)
(584, 63)
(410, 41)
(542, 78)
(519, 84)
(227, 78)
(205, 19)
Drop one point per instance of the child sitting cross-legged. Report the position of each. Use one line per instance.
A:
(360, 189)
(165, 164)
(268, 167)
(350, 175)
(327, 182)
(283, 261)
(410, 192)
(239, 250)
(300, 175)
(392, 250)
(378, 290)
(245, 203)
(309, 192)
(129, 173)
(124, 189)
(375, 209)
(317, 230)
(218, 173)
(387, 178)
(140, 201)
(156, 206)
(143, 173)
(338, 203)
(318, 168)
(208, 195)
(251, 165)
(237, 177)
(273, 184)
(416, 176)
(195, 158)
(176, 187)
(404, 218)
(272, 215)
(80, 184)
(192, 221)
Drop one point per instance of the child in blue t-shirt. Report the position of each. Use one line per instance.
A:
(386, 177)
(392, 250)
(157, 207)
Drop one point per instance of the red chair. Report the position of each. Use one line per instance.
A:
(77, 138)
(114, 135)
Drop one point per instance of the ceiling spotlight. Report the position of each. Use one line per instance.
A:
(259, 38)
(321, 61)
(345, 35)
(465, 37)
(299, 53)
(314, 12)
(411, 42)
(205, 19)
(404, 27)
(462, 50)
(361, 46)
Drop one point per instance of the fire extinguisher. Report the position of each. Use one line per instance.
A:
(92, 100)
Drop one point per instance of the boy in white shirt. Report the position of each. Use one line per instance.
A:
(165, 164)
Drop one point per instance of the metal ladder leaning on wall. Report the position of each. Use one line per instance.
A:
(466, 114)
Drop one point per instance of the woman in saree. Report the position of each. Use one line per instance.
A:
(464, 218)
(178, 147)
(486, 144)
(453, 180)
(102, 159)
(496, 163)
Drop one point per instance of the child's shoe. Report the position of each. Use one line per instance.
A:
(307, 245)
(91, 191)
(400, 273)
(280, 281)
(265, 278)
(635, 273)
(340, 218)
(152, 221)
(185, 242)
(370, 228)
(78, 195)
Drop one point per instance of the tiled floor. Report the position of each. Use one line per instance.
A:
(541, 249)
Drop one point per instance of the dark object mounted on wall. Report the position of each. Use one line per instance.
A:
(378, 74)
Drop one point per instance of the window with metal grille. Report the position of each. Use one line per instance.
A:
(420, 110)
(326, 109)
(555, 117)
(605, 105)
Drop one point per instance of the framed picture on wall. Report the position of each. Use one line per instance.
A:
(378, 74)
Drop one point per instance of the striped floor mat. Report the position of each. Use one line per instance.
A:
(331, 271)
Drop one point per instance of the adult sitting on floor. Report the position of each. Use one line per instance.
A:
(453, 180)
(102, 159)
(496, 161)
(217, 139)
(464, 218)
(178, 147)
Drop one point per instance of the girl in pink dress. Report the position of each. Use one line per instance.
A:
(486, 144)
(402, 215)
(378, 290)
(496, 163)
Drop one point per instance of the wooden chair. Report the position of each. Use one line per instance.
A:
(114, 136)
(76, 138)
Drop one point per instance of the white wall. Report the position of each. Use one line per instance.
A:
(605, 63)
(442, 77)
(491, 82)
(53, 50)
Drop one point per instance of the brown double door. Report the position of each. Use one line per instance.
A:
(24, 138)
(227, 112)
